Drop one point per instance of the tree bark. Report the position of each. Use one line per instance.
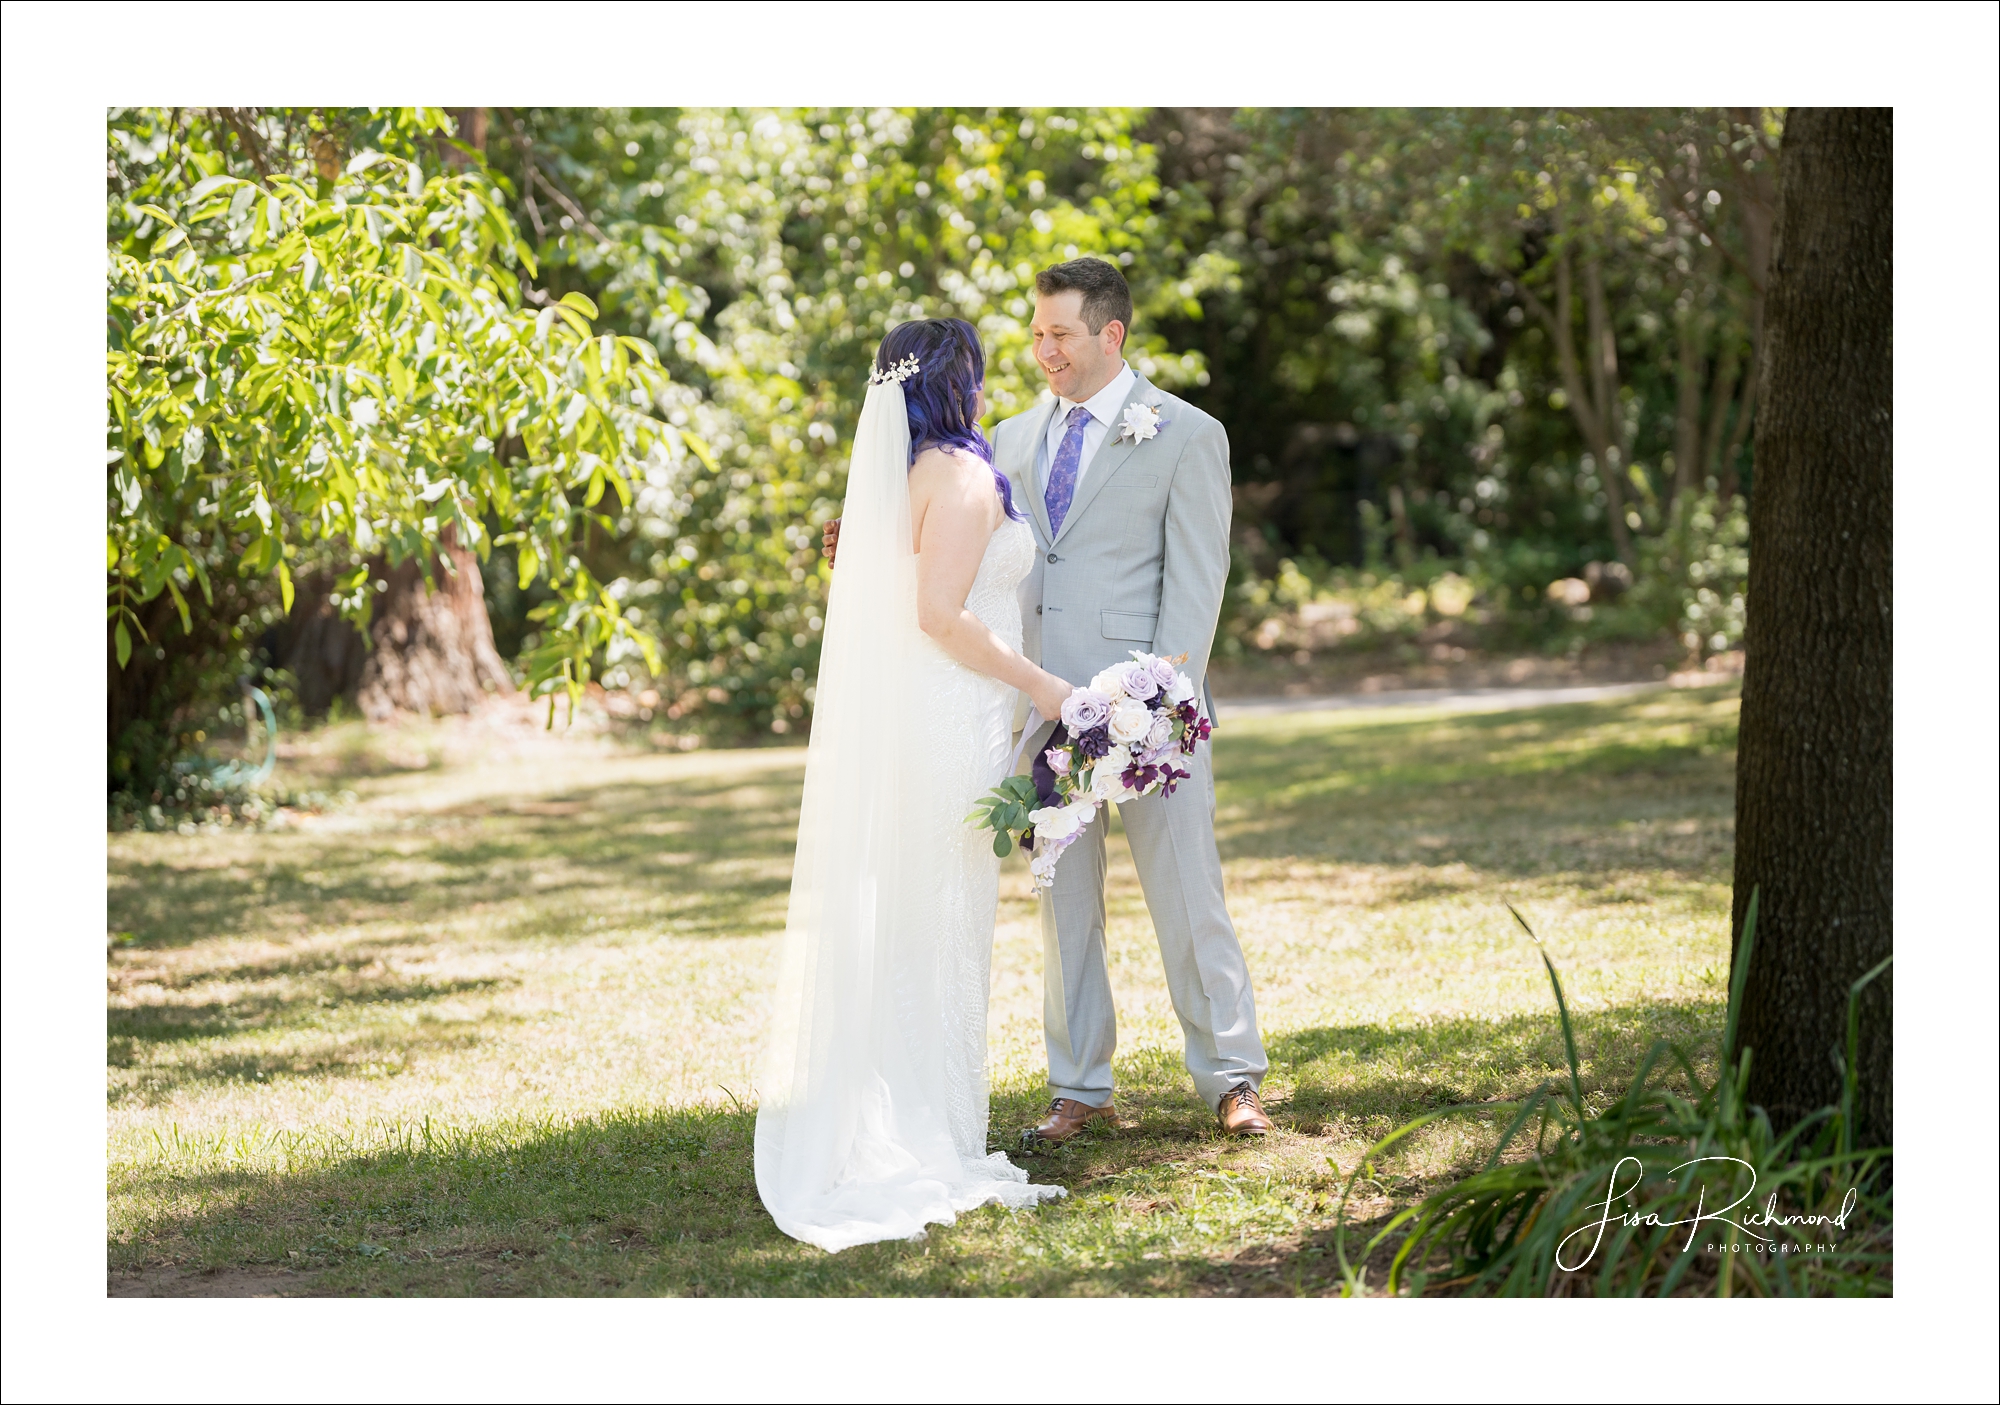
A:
(432, 651)
(1813, 818)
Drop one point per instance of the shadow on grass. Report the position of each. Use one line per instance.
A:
(1586, 786)
(664, 1202)
(701, 856)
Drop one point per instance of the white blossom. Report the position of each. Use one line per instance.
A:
(1130, 720)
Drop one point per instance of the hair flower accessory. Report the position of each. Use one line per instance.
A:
(1141, 422)
(896, 374)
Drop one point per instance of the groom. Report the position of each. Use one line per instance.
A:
(1132, 552)
(1131, 519)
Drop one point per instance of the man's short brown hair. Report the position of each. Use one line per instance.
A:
(1106, 297)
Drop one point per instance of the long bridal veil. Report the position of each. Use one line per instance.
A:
(854, 1139)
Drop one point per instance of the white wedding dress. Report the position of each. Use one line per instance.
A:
(872, 1109)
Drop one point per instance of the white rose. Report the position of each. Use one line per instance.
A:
(1163, 728)
(1107, 684)
(1130, 720)
(1181, 689)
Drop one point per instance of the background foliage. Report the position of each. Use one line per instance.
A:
(1484, 371)
(319, 357)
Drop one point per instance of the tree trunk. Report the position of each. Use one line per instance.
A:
(1813, 817)
(433, 649)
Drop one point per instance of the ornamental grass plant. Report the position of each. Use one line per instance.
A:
(1679, 1187)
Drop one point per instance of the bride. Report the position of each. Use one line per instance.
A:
(872, 1116)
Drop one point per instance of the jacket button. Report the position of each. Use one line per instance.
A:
(1052, 558)
(1038, 609)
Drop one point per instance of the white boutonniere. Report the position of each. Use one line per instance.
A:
(1141, 422)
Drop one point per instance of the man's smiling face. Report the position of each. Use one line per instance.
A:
(1077, 361)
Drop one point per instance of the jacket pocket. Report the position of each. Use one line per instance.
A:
(1120, 624)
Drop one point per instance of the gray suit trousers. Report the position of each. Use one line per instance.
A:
(1173, 847)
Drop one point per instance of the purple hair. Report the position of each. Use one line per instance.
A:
(942, 396)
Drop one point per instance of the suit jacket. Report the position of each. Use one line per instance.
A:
(1143, 554)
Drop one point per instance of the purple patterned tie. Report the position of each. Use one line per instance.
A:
(1062, 473)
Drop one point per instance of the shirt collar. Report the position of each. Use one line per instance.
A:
(1104, 405)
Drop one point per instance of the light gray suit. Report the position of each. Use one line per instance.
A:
(1140, 563)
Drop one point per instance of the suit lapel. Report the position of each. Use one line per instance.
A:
(1111, 456)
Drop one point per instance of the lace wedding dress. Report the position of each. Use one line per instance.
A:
(872, 1108)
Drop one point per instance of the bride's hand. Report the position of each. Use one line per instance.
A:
(1049, 696)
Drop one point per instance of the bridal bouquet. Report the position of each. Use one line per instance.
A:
(1125, 731)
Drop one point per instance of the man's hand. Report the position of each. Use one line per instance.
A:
(829, 539)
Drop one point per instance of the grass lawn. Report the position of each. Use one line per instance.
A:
(491, 1028)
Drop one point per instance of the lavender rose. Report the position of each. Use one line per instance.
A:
(1163, 672)
(1058, 760)
(1085, 708)
(1136, 681)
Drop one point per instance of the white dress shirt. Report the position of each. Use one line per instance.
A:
(1105, 409)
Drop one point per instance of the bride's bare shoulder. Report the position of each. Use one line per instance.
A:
(947, 469)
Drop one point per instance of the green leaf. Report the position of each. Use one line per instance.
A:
(1003, 844)
(168, 240)
(284, 584)
(569, 315)
(187, 627)
(580, 303)
(212, 183)
(124, 642)
(110, 553)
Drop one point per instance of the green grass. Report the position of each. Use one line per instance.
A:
(491, 1028)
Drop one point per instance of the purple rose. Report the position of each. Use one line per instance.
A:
(1085, 708)
(1138, 682)
(1058, 760)
(1163, 672)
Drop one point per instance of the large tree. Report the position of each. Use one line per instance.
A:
(1814, 766)
(326, 366)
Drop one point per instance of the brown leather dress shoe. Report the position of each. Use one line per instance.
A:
(1066, 1118)
(1241, 1114)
